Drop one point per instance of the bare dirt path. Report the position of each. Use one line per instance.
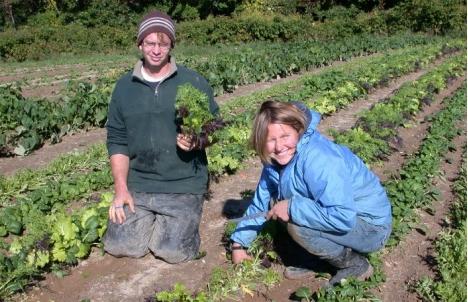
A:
(104, 278)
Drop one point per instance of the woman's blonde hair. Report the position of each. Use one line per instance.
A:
(274, 112)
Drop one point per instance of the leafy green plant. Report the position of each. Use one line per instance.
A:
(303, 293)
(194, 115)
(363, 143)
(179, 294)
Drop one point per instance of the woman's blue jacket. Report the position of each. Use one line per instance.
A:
(327, 186)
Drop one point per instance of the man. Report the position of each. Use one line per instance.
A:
(160, 176)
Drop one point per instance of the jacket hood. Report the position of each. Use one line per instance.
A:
(313, 119)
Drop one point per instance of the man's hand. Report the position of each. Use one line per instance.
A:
(185, 142)
(239, 254)
(116, 210)
(279, 210)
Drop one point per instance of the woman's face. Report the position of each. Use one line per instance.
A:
(281, 142)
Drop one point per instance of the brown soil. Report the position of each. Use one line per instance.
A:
(42, 157)
(50, 82)
(105, 278)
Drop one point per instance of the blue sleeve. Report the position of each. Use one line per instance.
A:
(247, 230)
(116, 130)
(329, 204)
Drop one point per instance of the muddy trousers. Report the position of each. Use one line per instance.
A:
(165, 224)
(363, 238)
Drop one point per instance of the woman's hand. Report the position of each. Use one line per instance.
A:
(239, 254)
(116, 210)
(185, 142)
(279, 210)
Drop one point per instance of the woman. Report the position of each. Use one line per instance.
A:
(334, 206)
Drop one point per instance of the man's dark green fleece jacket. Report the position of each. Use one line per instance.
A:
(141, 124)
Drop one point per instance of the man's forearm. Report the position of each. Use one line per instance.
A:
(119, 165)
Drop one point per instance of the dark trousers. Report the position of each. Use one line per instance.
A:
(165, 224)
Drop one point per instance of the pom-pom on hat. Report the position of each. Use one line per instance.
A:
(156, 21)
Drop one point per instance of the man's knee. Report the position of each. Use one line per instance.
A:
(174, 256)
(121, 248)
(176, 249)
(120, 241)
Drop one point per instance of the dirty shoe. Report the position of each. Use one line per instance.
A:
(350, 264)
(361, 272)
(295, 273)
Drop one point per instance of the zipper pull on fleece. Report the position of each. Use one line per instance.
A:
(157, 88)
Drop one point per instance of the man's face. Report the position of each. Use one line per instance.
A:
(156, 48)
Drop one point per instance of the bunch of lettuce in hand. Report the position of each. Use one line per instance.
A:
(194, 117)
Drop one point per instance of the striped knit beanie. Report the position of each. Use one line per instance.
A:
(156, 21)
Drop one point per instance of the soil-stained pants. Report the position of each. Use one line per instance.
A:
(165, 224)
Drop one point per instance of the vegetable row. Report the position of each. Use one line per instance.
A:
(25, 123)
(412, 189)
(450, 248)
(42, 247)
(415, 180)
(376, 129)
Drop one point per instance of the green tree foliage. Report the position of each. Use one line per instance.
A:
(437, 16)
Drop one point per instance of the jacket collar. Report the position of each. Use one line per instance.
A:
(136, 74)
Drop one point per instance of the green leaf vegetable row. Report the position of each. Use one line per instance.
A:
(450, 247)
(25, 123)
(412, 189)
(207, 59)
(72, 241)
(377, 127)
(415, 180)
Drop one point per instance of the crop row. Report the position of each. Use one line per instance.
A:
(25, 124)
(227, 71)
(415, 180)
(208, 59)
(409, 191)
(377, 127)
(42, 247)
(225, 156)
(325, 93)
(246, 62)
(450, 247)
